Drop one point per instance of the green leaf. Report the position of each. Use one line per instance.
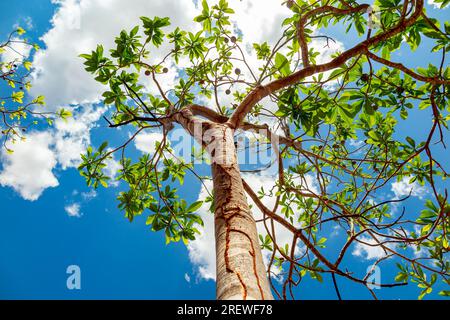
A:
(404, 114)
(282, 64)
(375, 136)
(150, 220)
(103, 146)
(195, 206)
(401, 277)
(64, 114)
(20, 31)
(445, 242)
(152, 28)
(40, 100)
(18, 96)
(104, 183)
(445, 293)
(27, 65)
(411, 142)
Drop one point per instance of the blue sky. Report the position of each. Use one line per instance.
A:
(118, 259)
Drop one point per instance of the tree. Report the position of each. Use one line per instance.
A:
(18, 114)
(360, 95)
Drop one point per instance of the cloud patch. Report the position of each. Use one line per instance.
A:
(404, 188)
(72, 137)
(368, 250)
(77, 27)
(17, 51)
(73, 210)
(29, 169)
(145, 142)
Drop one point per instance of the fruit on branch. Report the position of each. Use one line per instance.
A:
(365, 77)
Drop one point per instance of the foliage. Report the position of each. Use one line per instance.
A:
(18, 114)
(340, 123)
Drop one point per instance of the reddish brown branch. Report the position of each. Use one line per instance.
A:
(263, 91)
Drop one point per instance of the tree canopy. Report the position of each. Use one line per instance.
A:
(335, 119)
(18, 112)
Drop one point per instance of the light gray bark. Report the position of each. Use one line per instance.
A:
(241, 273)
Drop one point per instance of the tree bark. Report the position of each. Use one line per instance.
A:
(241, 273)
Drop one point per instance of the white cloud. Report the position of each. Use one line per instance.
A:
(29, 169)
(187, 278)
(17, 51)
(326, 49)
(73, 210)
(403, 189)
(111, 170)
(356, 143)
(418, 253)
(145, 142)
(72, 137)
(336, 231)
(78, 26)
(202, 250)
(257, 22)
(266, 27)
(370, 250)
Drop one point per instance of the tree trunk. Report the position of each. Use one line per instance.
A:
(241, 273)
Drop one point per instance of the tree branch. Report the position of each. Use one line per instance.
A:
(401, 67)
(263, 91)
